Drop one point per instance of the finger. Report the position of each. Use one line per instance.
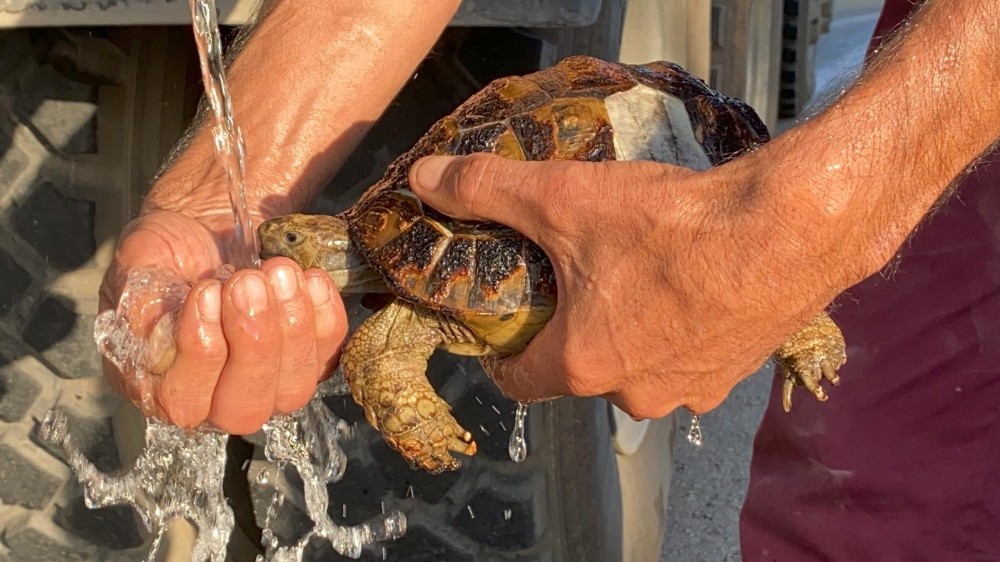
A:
(329, 320)
(299, 368)
(244, 397)
(185, 394)
(488, 187)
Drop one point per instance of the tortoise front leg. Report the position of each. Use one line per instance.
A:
(813, 354)
(385, 363)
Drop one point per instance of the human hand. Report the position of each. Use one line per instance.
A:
(234, 352)
(667, 291)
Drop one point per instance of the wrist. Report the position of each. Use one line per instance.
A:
(195, 185)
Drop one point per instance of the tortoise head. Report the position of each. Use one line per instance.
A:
(319, 241)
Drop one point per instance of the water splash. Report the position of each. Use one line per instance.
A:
(694, 432)
(150, 293)
(179, 474)
(230, 149)
(308, 440)
(518, 446)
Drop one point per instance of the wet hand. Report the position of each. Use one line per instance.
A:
(235, 351)
(667, 292)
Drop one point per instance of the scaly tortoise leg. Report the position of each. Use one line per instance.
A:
(813, 354)
(385, 363)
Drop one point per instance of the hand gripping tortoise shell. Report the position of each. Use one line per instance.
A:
(482, 289)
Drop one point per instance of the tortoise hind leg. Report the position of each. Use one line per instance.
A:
(385, 363)
(810, 356)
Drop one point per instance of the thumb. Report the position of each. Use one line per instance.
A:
(485, 187)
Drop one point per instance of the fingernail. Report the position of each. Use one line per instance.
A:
(430, 170)
(250, 295)
(162, 349)
(284, 281)
(319, 290)
(210, 303)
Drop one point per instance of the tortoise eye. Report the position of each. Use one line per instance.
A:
(292, 237)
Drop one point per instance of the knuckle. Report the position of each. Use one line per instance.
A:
(476, 182)
(565, 186)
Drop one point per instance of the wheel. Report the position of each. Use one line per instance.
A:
(84, 122)
(581, 494)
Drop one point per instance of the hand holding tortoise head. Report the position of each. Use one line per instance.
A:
(236, 351)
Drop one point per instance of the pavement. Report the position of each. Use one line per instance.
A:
(710, 481)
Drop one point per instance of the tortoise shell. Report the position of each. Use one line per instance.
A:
(583, 108)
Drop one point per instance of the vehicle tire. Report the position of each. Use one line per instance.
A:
(798, 49)
(567, 500)
(84, 122)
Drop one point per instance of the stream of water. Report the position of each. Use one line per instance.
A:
(230, 149)
(179, 473)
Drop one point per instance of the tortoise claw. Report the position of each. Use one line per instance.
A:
(427, 434)
(810, 357)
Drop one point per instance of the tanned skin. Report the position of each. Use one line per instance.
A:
(675, 285)
(310, 78)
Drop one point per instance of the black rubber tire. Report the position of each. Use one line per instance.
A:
(70, 165)
(563, 503)
(797, 72)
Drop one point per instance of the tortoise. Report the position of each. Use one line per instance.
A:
(482, 289)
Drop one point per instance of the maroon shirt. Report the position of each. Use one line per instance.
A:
(903, 462)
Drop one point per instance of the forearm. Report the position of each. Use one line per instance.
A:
(307, 84)
(861, 175)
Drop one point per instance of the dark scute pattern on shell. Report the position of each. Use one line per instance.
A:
(505, 268)
(536, 137)
(497, 259)
(500, 271)
(735, 126)
(541, 276)
(602, 146)
(501, 99)
(728, 122)
(411, 253)
(456, 266)
(479, 139)
(581, 76)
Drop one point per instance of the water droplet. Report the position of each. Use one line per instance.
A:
(409, 491)
(506, 514)
(495, 409)
(694, 432)
(471, 514)
(518, 446)
(483, 429)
